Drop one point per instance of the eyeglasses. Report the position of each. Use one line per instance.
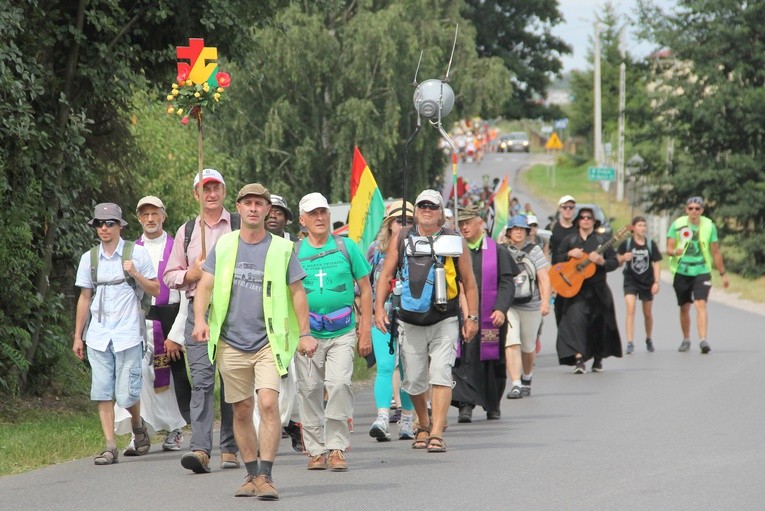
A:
(694, 208)
(585, 217)
(428, 205)
(108, 223)
(568, 207)
(409, 221)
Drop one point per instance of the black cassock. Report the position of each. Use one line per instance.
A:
(588, 320)
(479, 382)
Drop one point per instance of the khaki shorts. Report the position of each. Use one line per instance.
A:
(522, 328)
(427, 354)
(242, 371)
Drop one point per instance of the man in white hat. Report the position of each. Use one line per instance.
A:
(561, 229)
(113, 277)
(183, 271)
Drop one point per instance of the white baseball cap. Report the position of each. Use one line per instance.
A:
(313, 201)
(150, 200)
(532, 220)
(565, 199)
(207, 176)
(448, 213)
(430, 196)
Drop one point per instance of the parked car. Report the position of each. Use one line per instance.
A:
(516, 141)
(600, 216)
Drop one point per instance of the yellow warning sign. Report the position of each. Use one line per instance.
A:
(554, 143)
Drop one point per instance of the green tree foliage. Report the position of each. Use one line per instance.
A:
(325, 77)
(520, 33)
(709, 96)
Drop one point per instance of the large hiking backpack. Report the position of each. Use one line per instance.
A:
(526, 280)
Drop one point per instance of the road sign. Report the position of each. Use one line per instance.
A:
(561, 124)
(554, 143)
(601, 174)
(546, 130)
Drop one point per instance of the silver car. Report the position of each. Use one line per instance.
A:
(516, 141)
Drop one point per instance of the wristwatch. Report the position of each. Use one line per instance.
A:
(473, 317)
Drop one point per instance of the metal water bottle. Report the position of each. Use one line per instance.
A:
(439, 291)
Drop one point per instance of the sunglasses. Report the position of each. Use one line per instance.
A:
(409, 221)
(585, 217)
(694, 208)
(428, 205)
(568, 207)
(108, 223)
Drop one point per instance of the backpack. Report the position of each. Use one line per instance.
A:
(127, 252)
(188, 230)
(525, 281)
(648, 243)
(340, 248)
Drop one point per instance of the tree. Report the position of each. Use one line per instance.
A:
(709, 96)
(520, 33)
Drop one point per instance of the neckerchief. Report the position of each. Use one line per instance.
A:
(161, 363)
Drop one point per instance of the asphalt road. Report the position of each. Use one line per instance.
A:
(663, 430)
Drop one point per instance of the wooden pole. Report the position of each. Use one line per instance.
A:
(200, 188)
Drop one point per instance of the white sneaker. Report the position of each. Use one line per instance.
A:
(379, 429)
(173, 441)
(405, 428)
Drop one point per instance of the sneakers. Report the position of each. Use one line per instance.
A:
(649, 345)
(685, 345)
(630, 348)
(196, 461)
(405, 428)
(261, 486)
(379, 429)
(395, 416)
(336, 461)
(580, 368)
(229, 460)
(466, 414)
(597, 365)
(525, 387)
(318, 462)
(704, 345)
(173, 441)
(515, 393)
(294, 431)
(140, 443)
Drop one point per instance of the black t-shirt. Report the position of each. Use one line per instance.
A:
(639, 269)
(559, 233)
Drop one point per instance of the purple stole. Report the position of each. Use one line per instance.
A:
(161, 363)
(488, 293)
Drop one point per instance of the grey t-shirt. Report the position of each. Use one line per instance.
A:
(245, 327)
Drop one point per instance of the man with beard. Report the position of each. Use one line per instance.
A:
(479, 374)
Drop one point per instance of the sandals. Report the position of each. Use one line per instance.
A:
(421, 443)
(436, 444)
(108, 457)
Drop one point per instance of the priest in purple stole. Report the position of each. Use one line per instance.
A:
(479, 373)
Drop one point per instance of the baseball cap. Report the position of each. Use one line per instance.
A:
(253, 189)
(150, 200)
(107, 211)
(532, 220)
(313, 201)
(280, 202)
(430, 196)
(565, 199)
(695, 200)
(448, 213)
(468, 212)
(207, 176)
(394, 209)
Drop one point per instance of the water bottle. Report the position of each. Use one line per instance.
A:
(395, 299)
(439, 291)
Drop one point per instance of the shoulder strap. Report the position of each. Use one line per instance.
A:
(127, 253)
(236, 221)
(188, 230)
(340, 242)
(94, 266)
(629, 244)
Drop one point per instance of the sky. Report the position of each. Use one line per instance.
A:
(578, 28)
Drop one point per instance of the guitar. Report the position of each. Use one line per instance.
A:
(567, 278)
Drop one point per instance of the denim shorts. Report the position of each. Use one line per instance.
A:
(116, 375)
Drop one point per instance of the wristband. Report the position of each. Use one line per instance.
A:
(304, 335)
(473, 318)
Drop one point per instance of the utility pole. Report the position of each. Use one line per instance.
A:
(622, 86)
(596, 92)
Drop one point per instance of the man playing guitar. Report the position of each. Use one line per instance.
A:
(587, 327)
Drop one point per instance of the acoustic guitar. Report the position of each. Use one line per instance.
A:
(567, 278)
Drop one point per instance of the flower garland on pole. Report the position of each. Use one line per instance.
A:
(198, 85)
